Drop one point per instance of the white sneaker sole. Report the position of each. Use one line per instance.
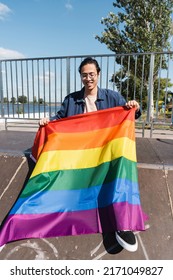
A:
(125, 245)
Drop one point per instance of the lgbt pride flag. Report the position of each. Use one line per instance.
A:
(85, 179)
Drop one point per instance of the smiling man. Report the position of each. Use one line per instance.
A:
(91, 97)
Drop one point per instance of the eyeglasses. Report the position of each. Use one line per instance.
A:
(90, 75)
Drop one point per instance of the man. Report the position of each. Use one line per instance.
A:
(89, 99)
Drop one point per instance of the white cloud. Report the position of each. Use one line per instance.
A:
(48, 75)
(10, 54)
(68, 6)
(4, 11)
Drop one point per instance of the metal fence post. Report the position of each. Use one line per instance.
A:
(150, 105)
(68, 75)
(1, 91)
(172, 112)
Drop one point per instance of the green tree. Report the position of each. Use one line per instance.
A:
(13, 100)
(138, 91)
(138, 27)
(5, 100)
(22, 99)
(41, 101)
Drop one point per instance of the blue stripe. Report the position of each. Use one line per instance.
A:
(120, 190)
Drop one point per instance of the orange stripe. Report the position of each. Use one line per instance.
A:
(87, 140)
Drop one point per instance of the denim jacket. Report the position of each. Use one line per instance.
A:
(74, 103)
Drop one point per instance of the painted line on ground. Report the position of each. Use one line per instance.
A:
(169, 191)
(157, 166)
(13, 177)
(143, 247)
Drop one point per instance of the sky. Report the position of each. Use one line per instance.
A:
(44, 28)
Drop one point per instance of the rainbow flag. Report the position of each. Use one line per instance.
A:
(85, 179)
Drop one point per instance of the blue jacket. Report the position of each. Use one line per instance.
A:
(74, 103)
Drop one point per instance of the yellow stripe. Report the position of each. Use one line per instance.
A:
(78, 159)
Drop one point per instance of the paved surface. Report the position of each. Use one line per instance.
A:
(155, 169)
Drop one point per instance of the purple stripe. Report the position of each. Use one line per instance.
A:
(73, 223)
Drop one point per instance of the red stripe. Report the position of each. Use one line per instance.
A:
(82, 123)
(91, 121)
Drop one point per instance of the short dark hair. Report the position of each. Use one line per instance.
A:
(89, 60)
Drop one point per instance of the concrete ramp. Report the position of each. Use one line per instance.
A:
(155, 169)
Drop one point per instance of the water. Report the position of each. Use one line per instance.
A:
(28, 110)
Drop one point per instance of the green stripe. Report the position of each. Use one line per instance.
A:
(82, 178)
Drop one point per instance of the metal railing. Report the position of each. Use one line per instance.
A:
(35, 87)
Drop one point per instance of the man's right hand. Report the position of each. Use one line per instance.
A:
(43, 121)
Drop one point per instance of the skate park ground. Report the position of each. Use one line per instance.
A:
(155, 171)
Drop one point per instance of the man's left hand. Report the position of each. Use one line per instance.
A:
(132, 104)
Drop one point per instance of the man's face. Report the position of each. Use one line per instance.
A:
(89, 76)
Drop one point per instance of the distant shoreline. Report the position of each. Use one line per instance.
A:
(28, 109)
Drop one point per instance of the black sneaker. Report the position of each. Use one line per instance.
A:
(127, 240)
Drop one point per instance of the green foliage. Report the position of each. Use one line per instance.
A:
(5, 100)
(13, 100)
(41, 101)
(138, 27)
(22, 99)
